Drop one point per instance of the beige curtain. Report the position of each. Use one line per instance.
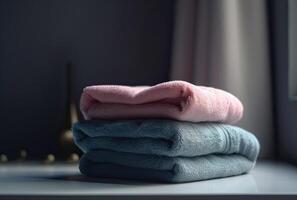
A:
(224, 44)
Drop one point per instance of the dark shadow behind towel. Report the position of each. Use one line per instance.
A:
(108, 42)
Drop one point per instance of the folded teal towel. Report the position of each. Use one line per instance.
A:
(164, 150)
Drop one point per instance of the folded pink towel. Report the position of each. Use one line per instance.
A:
(178, 100)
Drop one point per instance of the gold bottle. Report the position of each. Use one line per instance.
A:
(68, 149)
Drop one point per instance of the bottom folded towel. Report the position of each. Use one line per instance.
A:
(168, 169)
(164, 150)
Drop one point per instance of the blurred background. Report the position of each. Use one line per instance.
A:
(50, 50)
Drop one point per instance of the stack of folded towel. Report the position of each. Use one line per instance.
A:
(172, 132)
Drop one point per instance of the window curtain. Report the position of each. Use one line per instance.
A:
(283, 19)
(225, 44)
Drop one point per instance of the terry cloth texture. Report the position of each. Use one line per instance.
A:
(177, 100)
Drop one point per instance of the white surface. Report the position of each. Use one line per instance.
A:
(58, 179)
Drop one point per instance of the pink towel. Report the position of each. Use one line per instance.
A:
(177, 100)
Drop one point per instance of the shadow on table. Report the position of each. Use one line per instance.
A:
(82, 178)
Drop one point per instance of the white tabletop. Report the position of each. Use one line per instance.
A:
(65, 179)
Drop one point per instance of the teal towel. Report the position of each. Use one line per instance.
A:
(164, 150)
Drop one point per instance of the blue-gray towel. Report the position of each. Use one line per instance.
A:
(164, 150)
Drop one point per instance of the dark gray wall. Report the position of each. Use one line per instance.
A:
(285, 106)
(108, 42)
